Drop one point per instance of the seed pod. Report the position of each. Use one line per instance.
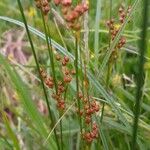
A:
(38, 4)
(57, 2)
(46, 9)
(64, 63)
(66, 2)
(44, 3)
(66, 59)
(58, 58)
(73, 72)
(87, 119)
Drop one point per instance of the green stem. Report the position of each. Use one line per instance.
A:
(37, 64)
(50, 52)
(108, 69)
(77, 80)
(61, 135)
(107, 85)
(140, 75)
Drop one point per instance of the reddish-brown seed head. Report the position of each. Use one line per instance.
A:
(57, 2)
(66, 2)
(66, 59)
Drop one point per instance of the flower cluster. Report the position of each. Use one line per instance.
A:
(123, 13)
(61, 84)
(72, 14)
(91, 135)
(114, 29)
(90, 107)
(48, 80)
(43, 5)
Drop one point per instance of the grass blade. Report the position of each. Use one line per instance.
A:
(25, 98)
(10, 132)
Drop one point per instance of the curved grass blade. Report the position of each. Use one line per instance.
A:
(25, 98)
(10, 132)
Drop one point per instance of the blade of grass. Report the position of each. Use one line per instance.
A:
(10, 131)
(58, 122)
(25, 98)
(5, 141)
(140, 75)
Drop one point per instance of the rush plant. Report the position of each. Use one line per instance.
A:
(83, 83)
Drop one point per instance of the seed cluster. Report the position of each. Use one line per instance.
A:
(43, 5)
(72, 14)
(114, 29)
(93, 134)
(90, 107)
(47, 79)
(61, 84)
(123, 13)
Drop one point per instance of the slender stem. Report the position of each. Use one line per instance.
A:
(77, 79)
(50, 52)
(108, 69)
(107, 86)
(37, 64)
(61, 135)
(35, 57)
(140, 75)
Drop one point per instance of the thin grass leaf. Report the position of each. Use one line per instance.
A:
(25, 98)
(10, 132)
(132, 98)
(58, 123)
(104, 140)
(115, 125)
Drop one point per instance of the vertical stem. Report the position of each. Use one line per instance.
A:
(140, 75)
(37, 64)
(77, 78)
(61, 135)
(108, 69)
(96, 34)
(86, 34)
(50, 52)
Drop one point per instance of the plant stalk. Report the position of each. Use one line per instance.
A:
(140, 75)
(36, 61)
